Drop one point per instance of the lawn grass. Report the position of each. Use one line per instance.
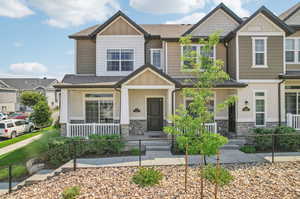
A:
(34, 149)
(18, 171)
(18, 139)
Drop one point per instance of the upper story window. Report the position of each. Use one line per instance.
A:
(120, 59)
(292, 51)
(191, 53)
(156, 59)
(259, 48)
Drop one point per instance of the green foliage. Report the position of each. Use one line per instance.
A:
(147, 177)
(211, 143)
(109, 144)
(41, 115)
(18, 171)
(56, 124)
(71, 192)
(286, 142)
(18, 139)
(248, 149)
(222, 177)
(135, 151)
(31, 98)
(262, 143)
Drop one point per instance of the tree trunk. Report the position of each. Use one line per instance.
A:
(217, 175)
(186, 168)
(202, 180)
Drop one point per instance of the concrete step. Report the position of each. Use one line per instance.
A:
(239, 142)
(230, 147)
(158, 148)
(150, 143)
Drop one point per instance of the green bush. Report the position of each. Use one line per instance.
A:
(71, 192)
(287, 143)
(263, 143)
(135, 151)
(248, 149)
(41, 115)
(193, 145)
(210, 173)
(104, 145)
(18, 171)
(147, 177)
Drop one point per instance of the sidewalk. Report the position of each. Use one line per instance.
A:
(18, 145)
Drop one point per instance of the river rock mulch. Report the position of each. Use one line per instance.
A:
(281, 180)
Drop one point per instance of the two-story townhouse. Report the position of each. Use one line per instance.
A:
(132, 75)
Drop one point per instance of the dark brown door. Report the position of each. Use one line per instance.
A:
(154, 114)
(231, 116)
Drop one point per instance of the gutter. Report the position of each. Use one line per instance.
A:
(279, 102)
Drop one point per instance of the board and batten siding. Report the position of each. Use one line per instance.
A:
(294, 19)
(274, 58)
(85, 57)
(174, 58)
(105, 42)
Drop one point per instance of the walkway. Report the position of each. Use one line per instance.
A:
(18, 145)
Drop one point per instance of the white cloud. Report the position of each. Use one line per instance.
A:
(28, 68)
(14, 9)
(167, 6)
(190, 19)
(18, 44)
(66, 13)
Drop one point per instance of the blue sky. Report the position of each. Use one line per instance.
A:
(34, 33)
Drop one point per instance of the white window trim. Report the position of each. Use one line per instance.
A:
(151, 56)
(296, 50)
(106, 60)
(254, 52)
(198, 53)
(254, 108)
(297, 92)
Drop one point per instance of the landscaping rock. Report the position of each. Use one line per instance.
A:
(265, 181)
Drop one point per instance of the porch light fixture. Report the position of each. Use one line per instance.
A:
(136, 110)
(246, 108)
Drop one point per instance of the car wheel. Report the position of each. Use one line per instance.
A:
(13, 135)
(30, 130)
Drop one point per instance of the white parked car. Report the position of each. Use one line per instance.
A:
(13, 128)
(3, 116)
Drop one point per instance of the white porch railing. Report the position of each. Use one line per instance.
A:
(293, 121)
(212, 127)
(85, 130)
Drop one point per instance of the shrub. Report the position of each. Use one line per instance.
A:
(18, 171)
(135, 151)
(248, 149)
(147, 177)
(71, 192)
(108, 144)
(41, 115)
(285, 142)
(224, 177)
(263, 143)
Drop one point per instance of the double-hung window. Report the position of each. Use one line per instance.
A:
(156, 59)
(99, 107)
(191, 55)
(259, 48)
(260, 109)
(292, 50)
(120, 59)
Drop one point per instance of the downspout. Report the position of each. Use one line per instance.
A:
(227, 55)
(279, 102)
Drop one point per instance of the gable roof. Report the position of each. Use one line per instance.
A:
(220, 6)
(290, 12)
(141, 69)
(266, 12)
(110, 20)
(27, 83)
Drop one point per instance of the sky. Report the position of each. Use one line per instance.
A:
(34, 33)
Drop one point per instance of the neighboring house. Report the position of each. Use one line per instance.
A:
(11, 89)
(131, 74)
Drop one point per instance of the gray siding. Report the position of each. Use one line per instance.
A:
(232, 58)
(274, 59)
(86, 57)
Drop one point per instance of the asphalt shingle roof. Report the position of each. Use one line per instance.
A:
(27, 83)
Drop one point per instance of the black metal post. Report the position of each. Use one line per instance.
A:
(9, 178)
(74, 156)
(140, 153)
(273, 147)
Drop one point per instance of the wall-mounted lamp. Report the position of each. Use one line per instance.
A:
(246, 108)
(136, 110)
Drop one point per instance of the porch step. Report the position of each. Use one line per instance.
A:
(239, 142)
(151, 143)
(230, 147)
(158, 148)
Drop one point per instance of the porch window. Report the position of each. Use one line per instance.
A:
(99, 108)
(191, 54)
(259, 46)
(260, 114)
(120, 59)
(156, 57)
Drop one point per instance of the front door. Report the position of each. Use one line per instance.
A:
(154, 114)
(231, 116)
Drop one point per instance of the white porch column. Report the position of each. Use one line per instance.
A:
(64, 106)
(124, 106)
(169, 110)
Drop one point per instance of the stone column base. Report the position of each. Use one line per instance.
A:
(63, 129)
(125, 130)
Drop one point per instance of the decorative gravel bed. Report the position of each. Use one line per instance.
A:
(281, 180)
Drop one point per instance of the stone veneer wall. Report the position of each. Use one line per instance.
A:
(63, 129)
(245, 128)
(137, 127)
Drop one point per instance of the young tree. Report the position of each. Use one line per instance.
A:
(31, 98)
(41, 115)
(189, 125)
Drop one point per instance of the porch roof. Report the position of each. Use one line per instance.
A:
(290, 75)
(189, 82)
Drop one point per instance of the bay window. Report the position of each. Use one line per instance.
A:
(259, 52)
(99, 108)
(120, 59)
(260, 109)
